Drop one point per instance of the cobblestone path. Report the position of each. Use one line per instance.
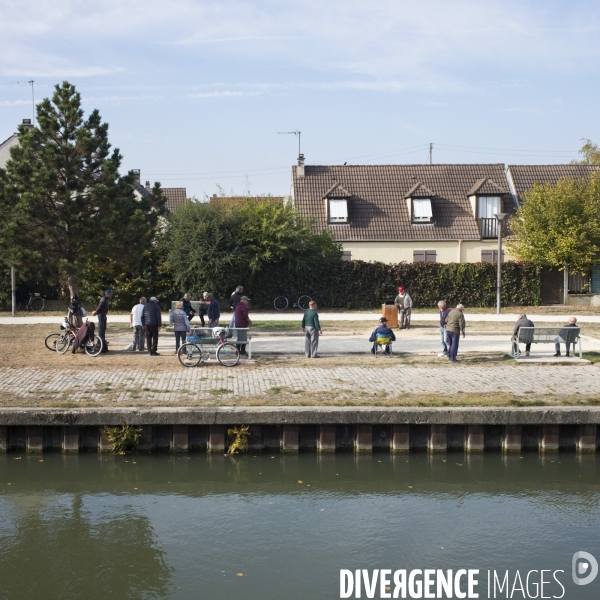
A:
(196, 384)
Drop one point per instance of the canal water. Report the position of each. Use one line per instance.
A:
(272, 526)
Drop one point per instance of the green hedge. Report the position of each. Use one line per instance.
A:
(357, 284)
(343, 284)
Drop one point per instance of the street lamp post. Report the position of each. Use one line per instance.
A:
(500, 218)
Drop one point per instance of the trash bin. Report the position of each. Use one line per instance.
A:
(390, 312)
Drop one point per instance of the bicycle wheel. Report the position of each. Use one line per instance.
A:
(189, 355)
(50, 341)
(303, 302)
(37, 304)
(93, 347)
(280, 303)
(64, 342)
(228, 355)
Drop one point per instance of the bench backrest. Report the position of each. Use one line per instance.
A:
(528, 335)
(195, 305)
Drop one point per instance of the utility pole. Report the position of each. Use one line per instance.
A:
(500, 219)
(32, 103)
(13, 288)
(431, 153)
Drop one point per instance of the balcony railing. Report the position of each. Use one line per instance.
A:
(489, 228)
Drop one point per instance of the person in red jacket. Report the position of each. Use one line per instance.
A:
(242, 320)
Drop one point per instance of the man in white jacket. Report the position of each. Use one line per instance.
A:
(404, 304)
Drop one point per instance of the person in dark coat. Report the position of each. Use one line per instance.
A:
(565, 334)
(152, 322)
(522, 321)
(101, 312)
(214, 312)
(382, 333)
(242, 320)
(187, 306)
(236, 297)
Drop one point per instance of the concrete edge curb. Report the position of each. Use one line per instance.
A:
(301, 415)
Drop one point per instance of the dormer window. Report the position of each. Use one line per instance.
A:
(488, 207)
(421, 210)
(338, 210)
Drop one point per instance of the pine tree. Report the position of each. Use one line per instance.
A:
(63, 202)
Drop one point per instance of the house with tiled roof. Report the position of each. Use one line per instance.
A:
(394, 213)
(214, 199)
(522, 178)
(174, 197)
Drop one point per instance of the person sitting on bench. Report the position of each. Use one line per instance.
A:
(382, 336)
(523, 321)
(565, 335)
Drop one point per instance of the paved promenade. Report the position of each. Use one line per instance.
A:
(397, 381)
(40, 318)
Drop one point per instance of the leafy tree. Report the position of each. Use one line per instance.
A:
(63, 202)
(559, 225)
(217, 246)
(590, 153)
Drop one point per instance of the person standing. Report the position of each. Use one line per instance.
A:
(522, 321)
(135, 322)
(181, 324)
(312, 329)
(455, 326)
(233, 302)
(152, 322)
(203, 308)
(444, 310)
(565, 335)
(214, 312)
(187, 306)
(404, 304)
(75, 313)
(242, 320)
(101, 312)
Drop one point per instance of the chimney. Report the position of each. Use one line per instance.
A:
(136, 175)
(148, 186)
(27, 122)
(300, 168)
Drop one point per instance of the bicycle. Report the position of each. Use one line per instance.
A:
(36, 303)
(192, 353)
(283, 301)
(92, 347)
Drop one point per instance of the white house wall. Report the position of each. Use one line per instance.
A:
(446, 252)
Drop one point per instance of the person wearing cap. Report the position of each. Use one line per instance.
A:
(242, 320)
(101, 312)
(384, 334)
(152, 322)
(404, 304)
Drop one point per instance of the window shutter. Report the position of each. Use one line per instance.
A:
(346, 255)
(430, 256)
(418, 255)
(487, 255)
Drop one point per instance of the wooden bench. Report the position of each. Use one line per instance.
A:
(546, 335)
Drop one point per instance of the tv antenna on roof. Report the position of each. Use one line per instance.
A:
(30, 82)
(298, 133)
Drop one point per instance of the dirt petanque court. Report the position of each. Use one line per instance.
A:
(278, 374)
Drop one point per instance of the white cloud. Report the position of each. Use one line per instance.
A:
(225, 94)
(381, 45)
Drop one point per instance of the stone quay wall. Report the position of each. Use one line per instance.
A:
(316, 429)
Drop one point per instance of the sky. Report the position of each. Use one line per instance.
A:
(195, 92)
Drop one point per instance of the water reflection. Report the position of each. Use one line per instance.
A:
(185, 526)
